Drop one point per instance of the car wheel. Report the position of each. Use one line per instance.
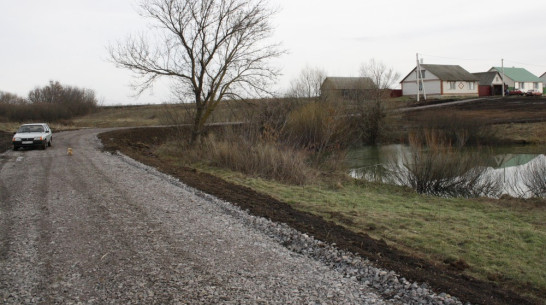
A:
(49, 143)
(44, 146)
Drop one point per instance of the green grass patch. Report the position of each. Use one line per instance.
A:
(501, 240)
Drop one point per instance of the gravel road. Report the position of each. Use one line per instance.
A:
(97, 228)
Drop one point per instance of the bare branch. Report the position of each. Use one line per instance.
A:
(212, 49)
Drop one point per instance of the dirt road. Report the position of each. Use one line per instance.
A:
(95, 228)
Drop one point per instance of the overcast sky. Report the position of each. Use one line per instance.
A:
(66, 40)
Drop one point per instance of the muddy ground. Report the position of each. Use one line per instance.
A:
(139, 144)
(514, 109)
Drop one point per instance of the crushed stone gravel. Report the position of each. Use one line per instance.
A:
(101, 228)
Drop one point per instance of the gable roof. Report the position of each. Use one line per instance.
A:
(517, 74)
(543, 75)
(450, 72)
(350, 83)
(447, 72)
(486, 78)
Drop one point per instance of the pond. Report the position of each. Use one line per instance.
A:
(506, 163)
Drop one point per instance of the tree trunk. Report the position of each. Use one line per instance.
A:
(196, 128)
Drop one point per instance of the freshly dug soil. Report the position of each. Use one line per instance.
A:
(139, 143)
(514, 109)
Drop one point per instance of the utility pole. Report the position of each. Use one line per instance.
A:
(420, 80)
(502, 65)
(417, 73)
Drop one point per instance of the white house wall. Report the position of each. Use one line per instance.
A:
(508, 81)
(497, 80)
(432, 87)
(431, 83)
(461, 88)
(529, 86)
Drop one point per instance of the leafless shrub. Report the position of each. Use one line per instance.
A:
(437, 168)
(7, 98)
(307, 85)
(458, 130)
(232, 150)
(317, 126)
(371, 104)
(50, 103)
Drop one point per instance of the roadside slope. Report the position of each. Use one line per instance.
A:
(138, 143)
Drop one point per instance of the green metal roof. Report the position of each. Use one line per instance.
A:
(509, 160)
(518, 74)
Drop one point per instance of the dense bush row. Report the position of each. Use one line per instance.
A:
(51, 103)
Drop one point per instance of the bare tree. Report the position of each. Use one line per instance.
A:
(307, 84)
(370, 105)
(212, 50)
(383, 77)
(10, 98)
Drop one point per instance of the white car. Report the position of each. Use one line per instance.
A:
(33, 135)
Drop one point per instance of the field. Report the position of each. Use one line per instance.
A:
(482, 250)
(510, 120)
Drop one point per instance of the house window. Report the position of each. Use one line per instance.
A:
(522, 85)
(535, 85)
(423, 74)
(470, 85)
(452, 85)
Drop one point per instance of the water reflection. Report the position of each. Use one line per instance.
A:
(509, 163)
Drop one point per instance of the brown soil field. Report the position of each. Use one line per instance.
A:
(493, 111)
(139, 144)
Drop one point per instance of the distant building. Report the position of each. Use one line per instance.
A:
(441, 80)
(519, 78)
(543, 78)
(350, 88)
(490, 83)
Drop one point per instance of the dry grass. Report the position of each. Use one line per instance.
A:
(533, 133)
(257, 159)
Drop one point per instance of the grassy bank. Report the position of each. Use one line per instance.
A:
(493, 240)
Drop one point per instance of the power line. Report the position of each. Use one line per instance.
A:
(457, 58)
(484, 59)
(525, 64)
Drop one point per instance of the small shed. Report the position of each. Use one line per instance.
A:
(490, 83)
(351, 88)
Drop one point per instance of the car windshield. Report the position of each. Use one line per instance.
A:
(30, 128)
